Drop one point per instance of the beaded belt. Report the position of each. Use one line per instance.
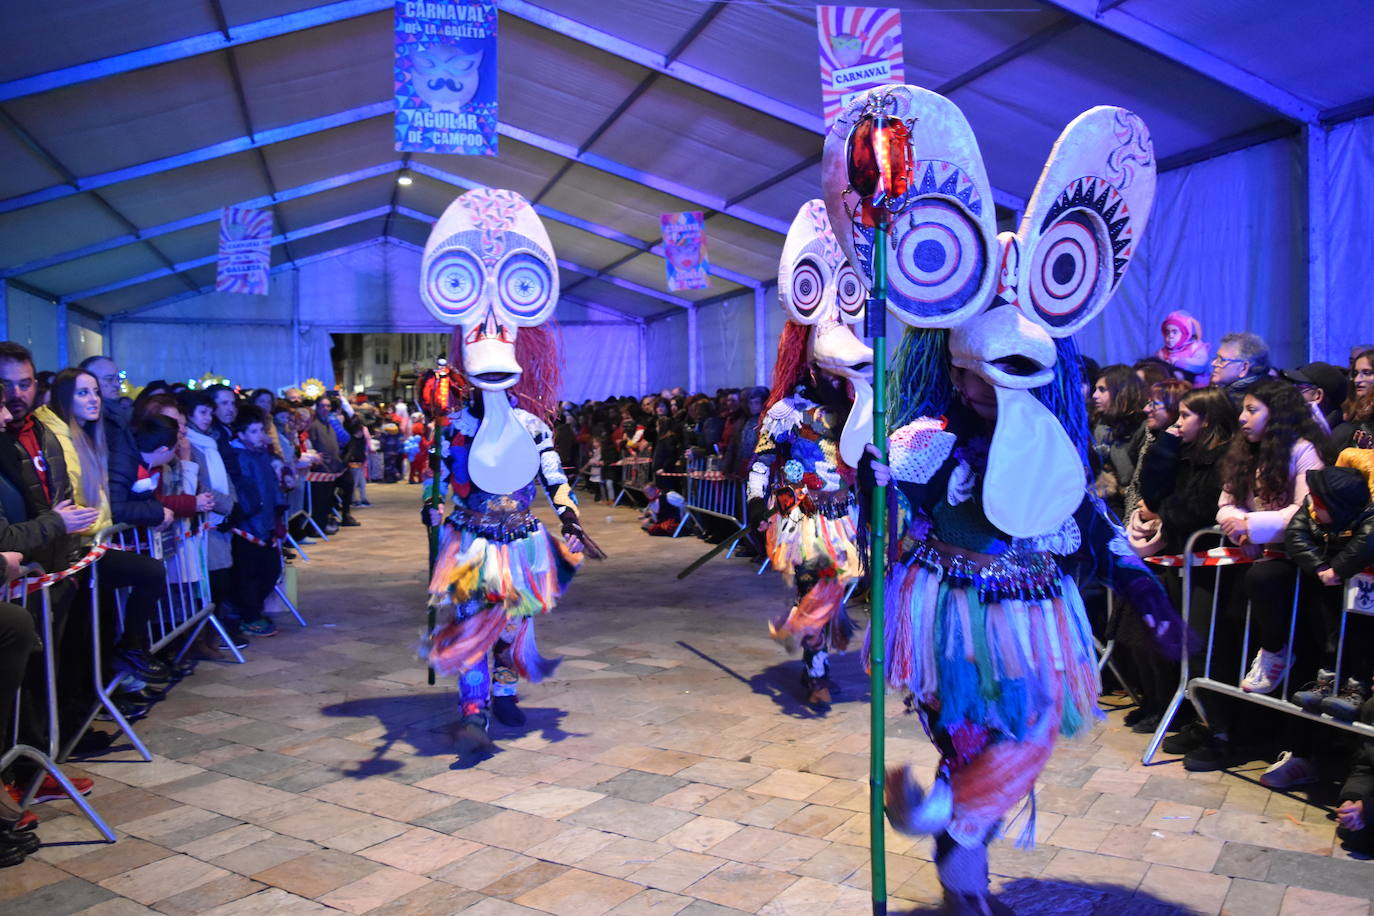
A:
(502, 527)
(1023, 575)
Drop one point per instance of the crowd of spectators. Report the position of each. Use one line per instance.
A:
(80, 463)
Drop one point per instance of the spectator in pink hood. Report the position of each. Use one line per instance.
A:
(1184, 347)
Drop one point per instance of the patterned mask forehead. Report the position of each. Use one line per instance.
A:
(489, 250)
(813, 271)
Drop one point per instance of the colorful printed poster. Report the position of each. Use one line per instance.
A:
(245, 251)
(684, 250)
(861, 47)
(446, 76)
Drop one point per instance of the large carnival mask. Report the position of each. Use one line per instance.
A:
(818, 287)
(1004, 298)
(488, 268)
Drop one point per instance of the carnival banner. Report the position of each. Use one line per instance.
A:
(861, 47)
(684, 250)
(446, 76)
(245, 251)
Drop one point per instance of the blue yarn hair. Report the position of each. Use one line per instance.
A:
(919, 381)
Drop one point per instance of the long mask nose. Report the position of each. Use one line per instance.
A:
(1005, 347)
(837, 352)
(489, 354)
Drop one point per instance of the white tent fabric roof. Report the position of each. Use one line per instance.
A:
(125, 125)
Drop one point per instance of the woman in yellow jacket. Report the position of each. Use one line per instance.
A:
(73, 416)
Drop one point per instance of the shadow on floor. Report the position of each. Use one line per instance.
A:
(424, 723)
(1032, 897)
(782, 683)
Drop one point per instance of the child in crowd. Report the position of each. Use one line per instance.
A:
(391, 443)
(257, 522)
(1331, 539)
(595, 471)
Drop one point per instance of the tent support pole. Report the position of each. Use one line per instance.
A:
(1318, 251)
(693, 351)
(60, 318)
(760, 331)
(296, 374)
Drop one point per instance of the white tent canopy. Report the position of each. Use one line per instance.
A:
(128, 124)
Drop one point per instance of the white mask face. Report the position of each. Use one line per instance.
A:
(489, 268)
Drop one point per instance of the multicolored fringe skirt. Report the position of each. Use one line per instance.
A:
(825, 538)
(819, 553)
(989, 652)
(488, 582)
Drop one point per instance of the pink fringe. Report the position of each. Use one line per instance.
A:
(460, 644)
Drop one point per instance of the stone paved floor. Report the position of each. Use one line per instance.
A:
(666, 769)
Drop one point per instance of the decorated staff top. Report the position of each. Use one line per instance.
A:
(948, 267)
(489, 268)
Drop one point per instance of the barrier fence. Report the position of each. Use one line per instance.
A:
(1358, 598)
(34, 591)
(635, 474)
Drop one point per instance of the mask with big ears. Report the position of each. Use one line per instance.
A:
(489, 269)
(1003, 298)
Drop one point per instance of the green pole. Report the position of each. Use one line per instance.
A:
(877, 571)
(434, 499)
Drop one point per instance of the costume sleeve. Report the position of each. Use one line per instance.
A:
(551, 475)
(761, 465)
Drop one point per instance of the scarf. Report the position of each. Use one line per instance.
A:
(214, 464)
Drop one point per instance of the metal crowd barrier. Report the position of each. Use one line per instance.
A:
(318, 477)
(183, 610)
(1190, 685)
(22, 591)
(635, 474)
(710, 491)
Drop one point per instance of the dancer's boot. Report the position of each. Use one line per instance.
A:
(963, 872)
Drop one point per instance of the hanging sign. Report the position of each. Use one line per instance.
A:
(684, 250)
(446, 76)
(245, 251)
(861, 47)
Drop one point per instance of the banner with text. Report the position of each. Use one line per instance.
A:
(684, 250)
(861, 47)
(446, 77)
(245, 251)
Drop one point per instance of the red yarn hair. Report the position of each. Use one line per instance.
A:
(792, 365)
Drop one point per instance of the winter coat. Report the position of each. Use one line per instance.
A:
(27, 523)
(325, 440)
(1267, 522)
(260, 499)
(62, 432)
(127, 507)
(1346, 546)
(1182, 485)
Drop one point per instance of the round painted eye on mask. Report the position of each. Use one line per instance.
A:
(850, 295)
(526, 288)
(452, 284)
